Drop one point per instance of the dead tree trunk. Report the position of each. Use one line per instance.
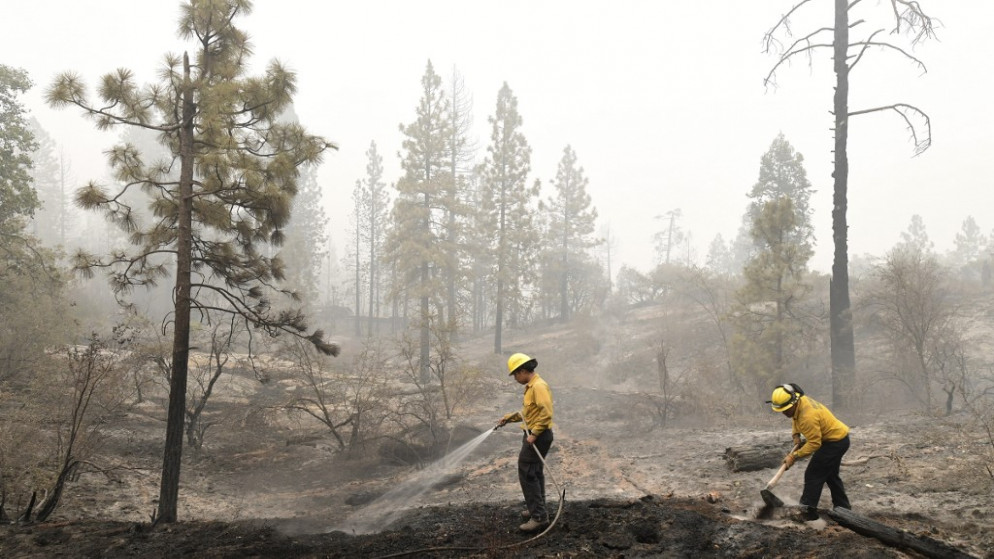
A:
(28, 510)
(894, 537)
(840, 313)
(909, 20)
(52, 501)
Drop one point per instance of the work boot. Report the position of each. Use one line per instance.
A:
(532, 525)
(810, 513)
(526, 514)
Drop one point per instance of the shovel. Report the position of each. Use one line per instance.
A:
(769, 498)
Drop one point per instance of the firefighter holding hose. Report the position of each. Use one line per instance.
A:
(536, 419)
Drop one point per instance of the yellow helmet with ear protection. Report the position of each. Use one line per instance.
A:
(784, 396)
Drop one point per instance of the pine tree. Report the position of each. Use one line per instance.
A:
(782, 174)
(571, 224)
(376, 208)
(766, 318)
(766, 321)
(50, 176)
(17, 143)
(306, 238)
(916, 239)
(238, 171)
(25, 268)
(458, 213)
(969, 242)
(370, 217)
(418, 234)
(355, 254)
(720, 259)
(507, 206)
(29, 278)
(479, 241)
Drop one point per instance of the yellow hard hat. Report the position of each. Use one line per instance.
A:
(784, 396)
(516, 361)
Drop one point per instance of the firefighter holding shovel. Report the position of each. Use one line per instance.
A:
(825, 440)
(536, 419)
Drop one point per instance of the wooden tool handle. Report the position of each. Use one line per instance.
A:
(783, 468)
(776, 478)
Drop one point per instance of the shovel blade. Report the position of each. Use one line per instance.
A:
(770, 499)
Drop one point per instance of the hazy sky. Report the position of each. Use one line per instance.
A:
(662, 100)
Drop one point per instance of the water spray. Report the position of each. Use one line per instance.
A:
(559, 512)
(392, 504)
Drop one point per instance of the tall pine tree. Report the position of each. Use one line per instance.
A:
(458, 214)
(769, 329)
(54, 217)
(376, 214)
(782, 174)
(571, 223)
(418, 235)
(507, 206)
(307, 238)
(371, 219)
(238, 171)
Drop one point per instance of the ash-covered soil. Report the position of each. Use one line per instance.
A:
(631, 491)
(646, 527)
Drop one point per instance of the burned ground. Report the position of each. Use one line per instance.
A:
(633, 488)
(629, 493)
(646, 527)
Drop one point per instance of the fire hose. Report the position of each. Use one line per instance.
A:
(559, 511)
(562, 499)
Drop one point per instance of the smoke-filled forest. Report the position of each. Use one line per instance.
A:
(199, 355)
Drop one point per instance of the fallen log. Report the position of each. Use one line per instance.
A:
(894, 537)
(755, 457)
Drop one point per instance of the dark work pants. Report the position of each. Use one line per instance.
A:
(532, 476)
(824, 469)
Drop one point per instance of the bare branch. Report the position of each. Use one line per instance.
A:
(908, 55)
(769, 79)
(769, 39)
(865, 47)
(914, 18)
(906, 110)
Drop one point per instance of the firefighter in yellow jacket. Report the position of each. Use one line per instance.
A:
(536, 418)
(825, 440)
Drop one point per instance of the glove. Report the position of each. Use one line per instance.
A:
(789, 460)
(797, 440)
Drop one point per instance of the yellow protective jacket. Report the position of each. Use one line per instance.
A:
(537, 407)
(813, 420)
